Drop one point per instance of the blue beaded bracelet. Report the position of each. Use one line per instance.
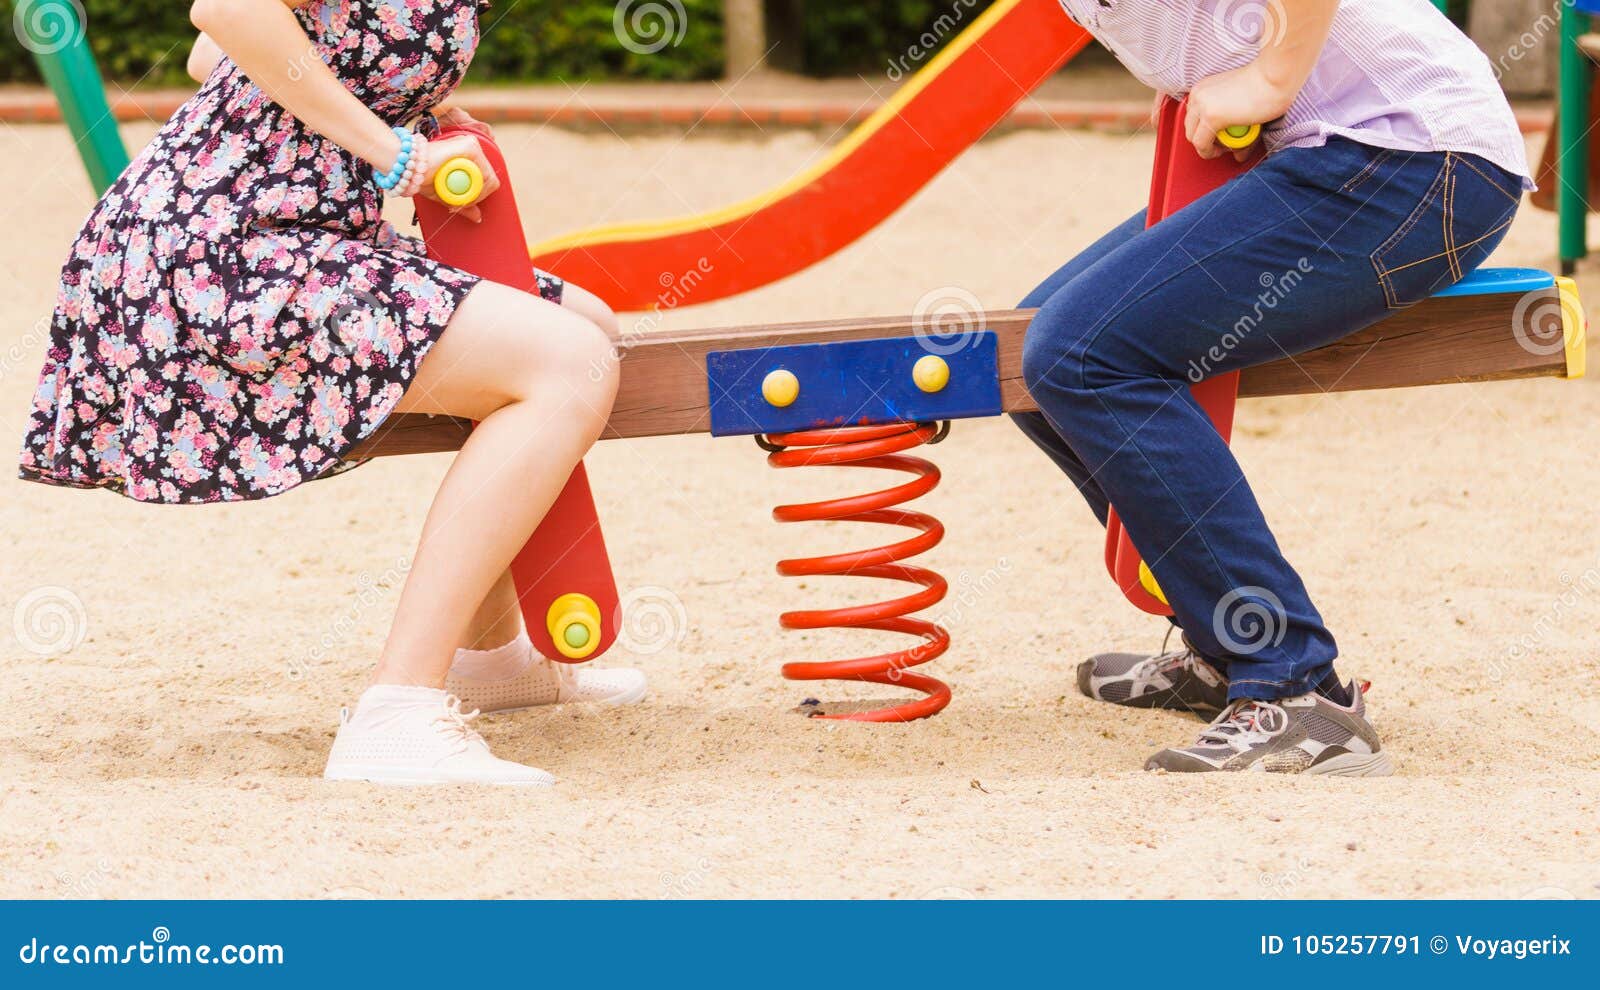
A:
(391, 178)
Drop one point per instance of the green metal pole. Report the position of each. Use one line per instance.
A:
(56, 34)
(1572, 156)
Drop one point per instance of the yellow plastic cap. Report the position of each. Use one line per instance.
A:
(574, 624)
(459, 182)
(1239, 136)
(780, 388)
(931, 373)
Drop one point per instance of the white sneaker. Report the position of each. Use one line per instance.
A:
(545, 682)
(418, 735)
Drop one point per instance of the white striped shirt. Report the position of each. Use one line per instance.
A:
(1393, 74)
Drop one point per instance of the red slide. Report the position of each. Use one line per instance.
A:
(940, 112)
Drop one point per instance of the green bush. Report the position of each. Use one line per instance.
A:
(845, 38)
(147, 41)
(133, 40)
(553, 39)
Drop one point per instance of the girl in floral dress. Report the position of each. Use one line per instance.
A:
(235, 316)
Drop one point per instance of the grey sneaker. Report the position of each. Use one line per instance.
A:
(1181, 681)
(1306, 734)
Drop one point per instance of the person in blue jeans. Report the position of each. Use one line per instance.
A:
(1393, 168)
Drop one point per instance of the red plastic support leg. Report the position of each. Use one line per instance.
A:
(1180, 177)
(566, 555)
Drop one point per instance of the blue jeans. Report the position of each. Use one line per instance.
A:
(1311, 245)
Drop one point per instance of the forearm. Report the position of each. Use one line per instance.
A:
(1295, 31)
(267, 43)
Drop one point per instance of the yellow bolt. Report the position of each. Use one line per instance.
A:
(931, 373)
(780, 388)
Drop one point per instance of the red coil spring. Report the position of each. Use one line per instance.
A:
(871, 447)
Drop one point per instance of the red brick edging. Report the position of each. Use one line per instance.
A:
(39, 107)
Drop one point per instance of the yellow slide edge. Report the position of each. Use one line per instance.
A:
(902, 98)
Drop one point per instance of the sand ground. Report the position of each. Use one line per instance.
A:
(1447, 533)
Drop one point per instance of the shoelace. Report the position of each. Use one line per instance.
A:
(1164, 662)
(1239, 726)
(456, 725)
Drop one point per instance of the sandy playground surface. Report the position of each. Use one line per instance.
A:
(1448, 535)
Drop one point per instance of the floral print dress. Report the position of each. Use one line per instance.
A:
(235, 314)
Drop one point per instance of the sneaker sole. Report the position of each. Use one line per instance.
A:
(1356, 765)
(627, 698)
(387, 778)
(615, 701)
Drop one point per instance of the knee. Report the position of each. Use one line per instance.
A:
(572, 373)
(583, 381)
(592, 308)
(602, 370)
(1053, 354)
(603, 317)
(1074, 347)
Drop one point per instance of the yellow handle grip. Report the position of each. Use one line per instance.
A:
(1239, 136)
(574, 624)
(459, 182)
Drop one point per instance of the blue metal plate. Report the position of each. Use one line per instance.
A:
(852, 383)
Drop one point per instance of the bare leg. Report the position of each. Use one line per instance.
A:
(540, 380)
(498, 620)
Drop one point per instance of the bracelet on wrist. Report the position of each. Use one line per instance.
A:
(418, 169)
(398, 173)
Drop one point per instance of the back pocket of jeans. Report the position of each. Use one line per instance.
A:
(1420, 257)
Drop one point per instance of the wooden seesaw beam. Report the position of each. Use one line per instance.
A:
(1446, 339)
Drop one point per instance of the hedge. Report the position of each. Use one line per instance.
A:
(148, 41)
(847, 38)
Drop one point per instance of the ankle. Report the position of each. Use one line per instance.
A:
(1335, 690)
(496, 664)
(380, 703)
